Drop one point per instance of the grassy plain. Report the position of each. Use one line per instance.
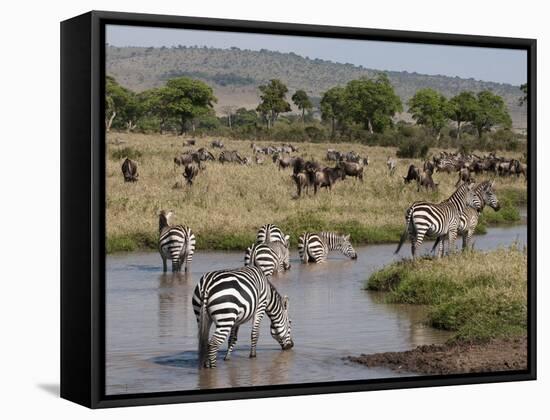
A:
(228, 203)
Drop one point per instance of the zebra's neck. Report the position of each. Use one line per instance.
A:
(333, 241)
(458, 199)
(275, 303)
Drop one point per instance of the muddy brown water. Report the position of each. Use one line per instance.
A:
(151, 330)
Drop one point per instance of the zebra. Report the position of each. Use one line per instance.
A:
(175, 242)
(314, 247)
(469, 219)
(391, 163)
(437, 219)
(229, 298)
(271, 233)
(270, 257)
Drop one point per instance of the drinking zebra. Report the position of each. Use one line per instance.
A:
(437, 219)
(270, 257)
(314, 247)
(229, 298)
(271, 233)
(468, 220)
(175, 242)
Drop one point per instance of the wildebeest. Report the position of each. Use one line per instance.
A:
(413, 174)
(204, 154)
(391, 163)
(259, 159)
(284, 162)
(352, 169)
(187, 159)
(231, 156)
(333, 155)
(129, 170)
(429, 166)
(303, 181)
(190, 142)
(190, 172)
(425, 180)
(326, 177)
(464, 175)
(517, 168)
(217, 144)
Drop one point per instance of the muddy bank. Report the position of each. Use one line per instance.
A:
(494, 356)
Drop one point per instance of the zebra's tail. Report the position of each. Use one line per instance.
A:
(405, 233)
(204, 331)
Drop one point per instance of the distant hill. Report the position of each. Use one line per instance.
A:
(235, 74)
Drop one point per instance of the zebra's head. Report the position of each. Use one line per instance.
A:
(164, 218)
(347, 248)
(471, 198)
(281, 326)
(488, 195)
(247, 256)
(286, 255)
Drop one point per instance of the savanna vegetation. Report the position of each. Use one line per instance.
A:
(478, 296)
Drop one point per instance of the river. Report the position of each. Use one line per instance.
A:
(151, 329)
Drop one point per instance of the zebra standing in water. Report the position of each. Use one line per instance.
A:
(468, 220)
(175, 242)
(314, 247)
(270, 257)
(437, 219)
(271, 233)
(229, 298)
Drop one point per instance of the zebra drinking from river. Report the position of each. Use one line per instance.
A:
(270, 257)
(271, 233)
(468, 220)
(175, 242)
(314, 247)
(229, 298)
(437, 219)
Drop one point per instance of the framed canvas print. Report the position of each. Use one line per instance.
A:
(254, 209)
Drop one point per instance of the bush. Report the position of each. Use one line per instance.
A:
(125, 152)
(413, 149)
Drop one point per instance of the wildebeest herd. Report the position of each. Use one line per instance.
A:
(228, 298)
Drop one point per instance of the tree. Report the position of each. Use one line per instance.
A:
(117, 101)
(273, 101)
(156, 103)
(245, 117)
(333, 107)
(301, 100)
(523, 98)
(187, 99)
(430, 109)
(228, 110)
(372, 102)
(462, 109)
(490, 111)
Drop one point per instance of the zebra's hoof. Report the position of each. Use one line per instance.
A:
(252, 355)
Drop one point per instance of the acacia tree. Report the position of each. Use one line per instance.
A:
(302, 101)
(372, 102)
(187, 99)
(273, 101)
(523, 98)
(430, 109)
(228, 110)
(462, 109)
(117, 101)
(490, 111)
(155, 102)
(333, 107)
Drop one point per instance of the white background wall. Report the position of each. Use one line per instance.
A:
(29, 220)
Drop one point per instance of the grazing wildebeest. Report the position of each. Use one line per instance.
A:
(187, 159)
(217, 144)
(204, 154)
(231, 156)
(129, 170)
(413, 174)
(326, 177)
(333, 155)
(299, 165)
(464, 175)
(425, 180)
(284, 162)
(352, 169)
(191, 142)
(190, 172)
(517, 168)
(391, 163)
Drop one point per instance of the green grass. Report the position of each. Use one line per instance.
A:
(477, 295)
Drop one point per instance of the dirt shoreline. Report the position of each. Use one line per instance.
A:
(493, 356)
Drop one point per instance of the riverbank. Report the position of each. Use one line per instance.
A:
(228, 203)
(481, 297)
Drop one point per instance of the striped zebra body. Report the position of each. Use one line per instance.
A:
(437, 220)
(230, 298)
(176, 243)
(313, 247)
(270, 257)
(484, 194)
(271, 233)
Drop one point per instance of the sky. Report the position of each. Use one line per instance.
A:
(488, 64)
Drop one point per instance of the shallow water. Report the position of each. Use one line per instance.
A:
(151, 329)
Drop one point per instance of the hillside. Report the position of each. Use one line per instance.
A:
(235, 74)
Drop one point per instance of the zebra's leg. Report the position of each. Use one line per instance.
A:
(452, 241)
(232, 341)
(416, 242)
(175, 264)
(260, 312)
(219, 336)
(164, 265)
(441, 248)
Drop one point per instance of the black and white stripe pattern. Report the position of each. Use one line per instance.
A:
(271, 257)
(486, 195)
(176, 243)
(228, 299)
(437, 220)
(271, 233)
(314, 247)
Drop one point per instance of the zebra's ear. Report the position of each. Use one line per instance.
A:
(287, 240)
(346, 237)
(285, 302)
(492, 183)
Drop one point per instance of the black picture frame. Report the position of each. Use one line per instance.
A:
(83, 209)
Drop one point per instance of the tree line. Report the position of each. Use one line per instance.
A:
(369, 104)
